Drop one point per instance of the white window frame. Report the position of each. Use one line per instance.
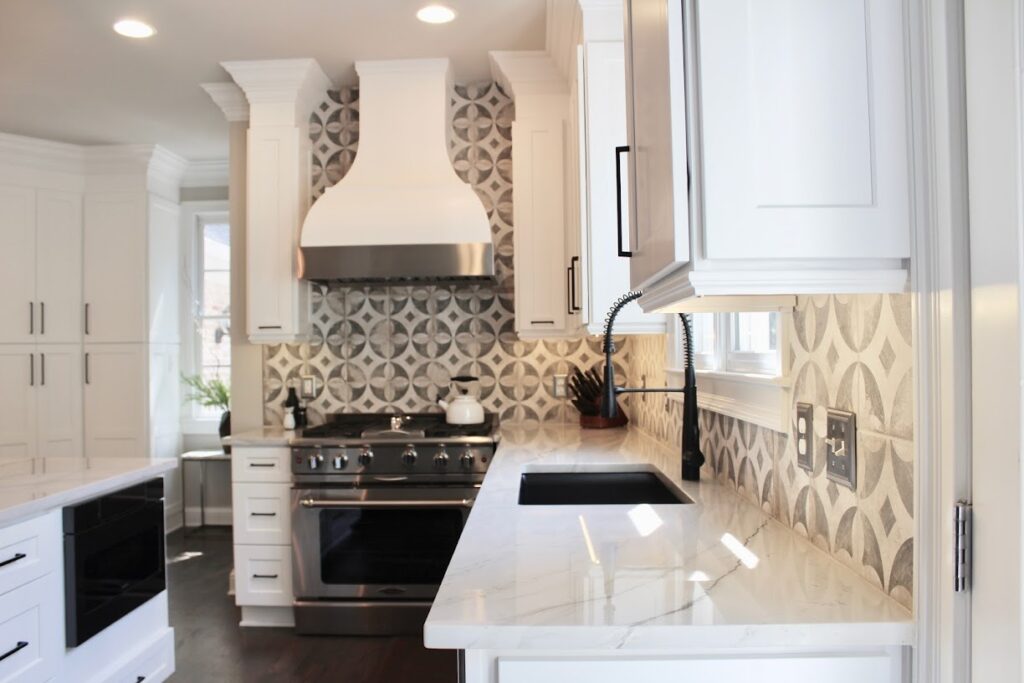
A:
(750, 387)
(194, 215)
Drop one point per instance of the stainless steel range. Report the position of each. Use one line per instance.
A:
(378, 504)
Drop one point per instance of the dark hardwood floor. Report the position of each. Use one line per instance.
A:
(211, 646)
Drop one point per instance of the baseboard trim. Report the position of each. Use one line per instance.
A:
(267, 617)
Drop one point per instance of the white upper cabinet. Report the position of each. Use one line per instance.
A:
(795, 167)
(659, 238)
(282, 95)
(605, 203)
(59, 400)
(806, 150)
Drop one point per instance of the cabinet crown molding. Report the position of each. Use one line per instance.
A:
(230, 98)
(114, 167)
(280, 91)
(528, 72)
(46, 155)
(206, 173)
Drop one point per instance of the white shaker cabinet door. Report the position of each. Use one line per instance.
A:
(116, 403)
(59, 400)
(58, 266)
(17, 265)
(115, 281)
(656, 111)
(18, 376)
(804, 127)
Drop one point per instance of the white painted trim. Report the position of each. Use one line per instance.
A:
(757, 399)
(44, 155)
(230, 98)
(172, 516)
(280, 91)
(208, 173)
(267, 617)
(215, 516)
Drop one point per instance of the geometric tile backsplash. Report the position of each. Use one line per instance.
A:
(392, 348)
(848, 352)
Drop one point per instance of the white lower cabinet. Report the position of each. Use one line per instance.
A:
(262, 513)
(59, 401)
(881, 666)
(261, 507)
(263, 575)
(17, 402)
(31, 631)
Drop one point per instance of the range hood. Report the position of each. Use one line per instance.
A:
(400, 213)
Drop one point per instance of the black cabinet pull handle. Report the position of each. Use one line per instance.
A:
(618, 196)
(12, 560)
(140, 679)
(263, 514)
(572, 266)
(87, 318)
(264, 576)
(31, 317)
(262, 464)
(568, 289)
(42, 317)
(86, 367)
(42, 369)
(31, 369)
(268, 327)
(22, 644)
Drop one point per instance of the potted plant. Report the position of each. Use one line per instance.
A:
(213, 393)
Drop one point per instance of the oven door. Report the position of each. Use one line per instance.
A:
(375, 542)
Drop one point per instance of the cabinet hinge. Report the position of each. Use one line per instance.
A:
(961, 546)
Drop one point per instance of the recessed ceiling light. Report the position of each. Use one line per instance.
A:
(133, 28)
(436, 14)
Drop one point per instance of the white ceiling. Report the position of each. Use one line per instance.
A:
(65, 75)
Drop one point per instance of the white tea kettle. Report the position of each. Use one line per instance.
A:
(464, 409)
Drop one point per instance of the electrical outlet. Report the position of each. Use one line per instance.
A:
(558, 386)
(307, 386)
(805, 436)
(841, 446)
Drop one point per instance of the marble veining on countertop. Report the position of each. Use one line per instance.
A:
(65, 481)
(717, 573)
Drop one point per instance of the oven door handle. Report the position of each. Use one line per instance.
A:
(447, 503)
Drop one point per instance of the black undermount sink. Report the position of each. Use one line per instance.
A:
(596, 488)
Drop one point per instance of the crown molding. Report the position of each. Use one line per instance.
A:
(528, 72)
(123, 166)
(39, 154)
(207, 173)
(280, 91)
(230, 98)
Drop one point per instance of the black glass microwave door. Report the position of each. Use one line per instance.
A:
(387, 546)
(118, 567)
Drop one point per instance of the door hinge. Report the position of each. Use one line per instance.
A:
(961, 546)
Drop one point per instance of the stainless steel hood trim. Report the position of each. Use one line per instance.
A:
(399, 262)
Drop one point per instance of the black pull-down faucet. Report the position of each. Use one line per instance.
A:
(692, 458)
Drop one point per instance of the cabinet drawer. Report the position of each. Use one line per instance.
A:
(263, 575)
(261, 464)
(31, 633)
(29, 550)
(262, 513)
(153, 664)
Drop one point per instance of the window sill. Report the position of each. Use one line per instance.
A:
(194, 426)
(758, 399)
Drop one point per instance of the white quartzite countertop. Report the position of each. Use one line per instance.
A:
(63, 481)
(657, 577)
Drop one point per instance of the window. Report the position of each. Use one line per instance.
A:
(737, 342)
(741, 370)
(210, 303)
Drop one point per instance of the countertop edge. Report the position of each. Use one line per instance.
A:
(21, 512)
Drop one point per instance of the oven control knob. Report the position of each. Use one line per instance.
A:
(409, 456)
(340, 461)
(441, 459)
(315, 460)
(365, 456)
(467, 459)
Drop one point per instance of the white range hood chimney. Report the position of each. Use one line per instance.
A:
(401, 212)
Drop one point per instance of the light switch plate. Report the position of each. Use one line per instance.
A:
(805, 436)
(841, 447)
(558, 386)
(307, 388)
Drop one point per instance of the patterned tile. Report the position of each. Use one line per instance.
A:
(850, 352)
